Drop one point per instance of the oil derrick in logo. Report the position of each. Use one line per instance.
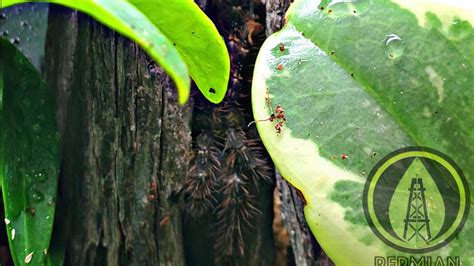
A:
(417, 222)
(416, 200)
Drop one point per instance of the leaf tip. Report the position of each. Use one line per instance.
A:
(183, 92)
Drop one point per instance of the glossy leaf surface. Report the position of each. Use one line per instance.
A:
(197, 40)
(359, 80)
(29, 157)
(181, 46)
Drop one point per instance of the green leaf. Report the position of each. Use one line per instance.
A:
(175, 43)
(124, 18)
(365, 78)
(29, 160)
(196, 38)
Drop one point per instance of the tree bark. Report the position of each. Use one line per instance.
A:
(125, 144)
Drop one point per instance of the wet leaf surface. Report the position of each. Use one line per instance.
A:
(29, 160)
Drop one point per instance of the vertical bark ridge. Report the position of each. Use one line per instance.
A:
(122, 133)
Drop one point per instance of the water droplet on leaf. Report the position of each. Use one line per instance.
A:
(15, 40)
(394, 46)
(36, 127)
(37, 196)
(41, 177)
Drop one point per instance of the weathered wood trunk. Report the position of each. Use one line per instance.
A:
(125, 144)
